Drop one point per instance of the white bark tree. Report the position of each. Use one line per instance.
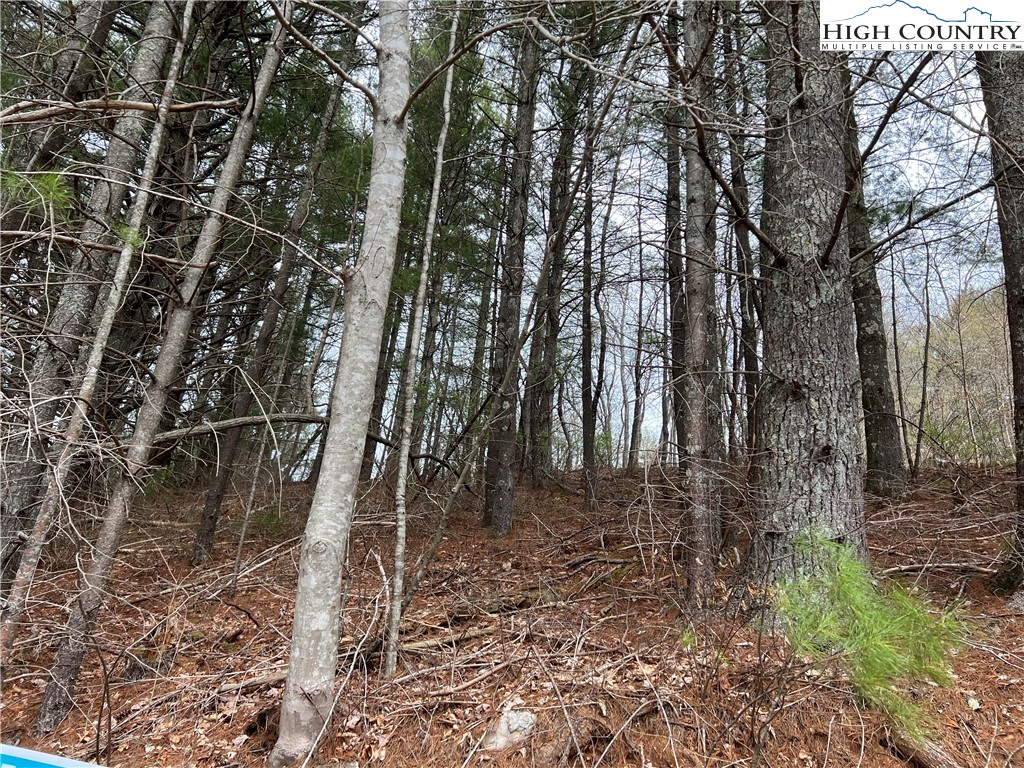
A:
(415, 332)
(59, 696)
(53, 496)
(23, 448)
(308, 697)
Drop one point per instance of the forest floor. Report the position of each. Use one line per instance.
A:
(576, 619)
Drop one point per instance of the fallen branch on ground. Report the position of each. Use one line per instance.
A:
(920, 567)
(355, 649)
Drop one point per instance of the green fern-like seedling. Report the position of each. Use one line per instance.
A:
(883, 637)
(40, 192)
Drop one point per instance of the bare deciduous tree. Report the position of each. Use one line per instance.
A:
(309, 698)
(59, 696)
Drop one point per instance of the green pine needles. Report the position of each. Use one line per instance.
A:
(40, 192)
(884, 637)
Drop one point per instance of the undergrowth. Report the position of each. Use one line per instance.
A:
(884, 638)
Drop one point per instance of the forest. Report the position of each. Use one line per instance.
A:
(526, 383)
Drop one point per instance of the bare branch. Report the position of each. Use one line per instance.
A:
(321, 54)
(16, 114)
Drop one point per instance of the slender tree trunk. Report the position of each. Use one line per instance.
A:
(385, 364)
(926, 354)
(424, 393)
(407, 421)
(261, 358)
(501, 468)
(59, 695)
(886, 475)
(479, 371)
(806, 477)
(591, 393)
(496, 245)
(538, 402)
(24, 445)
(700, 441)
(54, 493)
(745, 258)
(674, 249)
(897, 368)
(308, 696)
(633, 458)
(1002, 86)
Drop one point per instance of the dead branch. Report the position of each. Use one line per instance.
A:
(925, 754)
(174, 435)
(356, 649)
(16, 114)
(921, 567)
(479, 678)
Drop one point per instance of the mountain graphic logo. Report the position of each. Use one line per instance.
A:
(985, 17)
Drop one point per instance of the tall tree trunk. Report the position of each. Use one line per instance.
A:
(1002, 87)
(701, 439)
(496, 245)
(538, 401)
(61, 464)
(674, 248)
(738, 108)
(501, 468)
(406, 420)
(24, 446)
(308, 697)
(886, 474)
(261, 359)
(59, 695)
(591, 389)
(806, 476)
(926, 356)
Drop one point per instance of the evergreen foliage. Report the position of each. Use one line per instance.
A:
(884, 637)
(39, 192)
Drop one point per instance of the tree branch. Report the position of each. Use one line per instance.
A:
(321, 54)
(16, 114)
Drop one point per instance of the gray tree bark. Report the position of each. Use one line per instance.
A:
(501, 467)
(23, 443)
(591, 389)
(806, 476)
(415, 332)
(308, 698)
(68, 448)
(675, 268)
(738, 111)
(1002, 87)
(260, 362)
(539, 395)
(886, 473)
(59, 695)
(701, 436)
